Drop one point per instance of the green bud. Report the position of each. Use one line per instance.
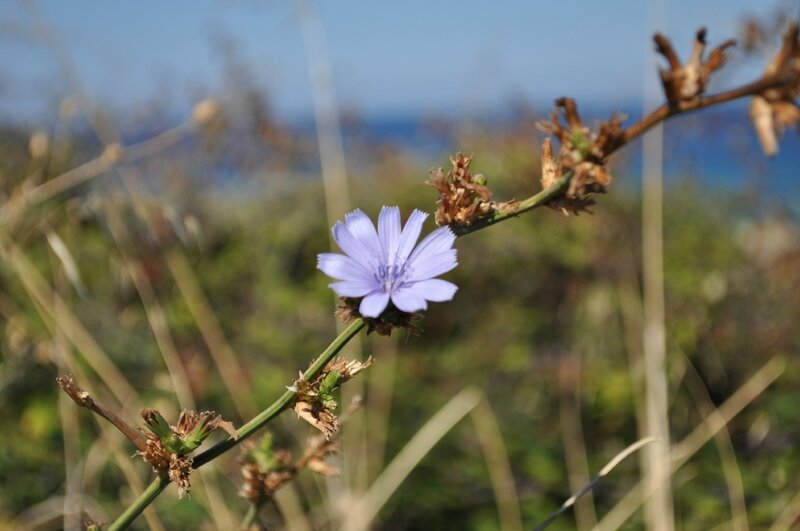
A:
(156, 423)
(176, 445)
(480, 178)
(329, 383)
(264, 454)
(581, 143)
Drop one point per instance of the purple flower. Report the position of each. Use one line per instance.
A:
(385, 265)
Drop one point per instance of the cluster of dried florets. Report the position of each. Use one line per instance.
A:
(463, 196)
(315, 402)
(684, 82)
(382, 325)
(582, 153)
(265, 469)
(775, 109)
(167, 448)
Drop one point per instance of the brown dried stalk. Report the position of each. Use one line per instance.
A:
(84, 399)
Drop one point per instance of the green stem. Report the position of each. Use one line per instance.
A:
(284, 401)
(525, 205)
(136, 508)
(250, 517)
(245, 431)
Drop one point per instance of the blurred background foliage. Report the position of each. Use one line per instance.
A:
(546, 323)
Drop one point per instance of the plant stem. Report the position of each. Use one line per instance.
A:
(525, 205)
(250, 517)
(136, 508)
(664, 112)
(657, 116)
(284, 401)
(245, 431)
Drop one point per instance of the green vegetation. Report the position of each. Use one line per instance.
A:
(546, 324)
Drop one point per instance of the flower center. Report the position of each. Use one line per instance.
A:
(391, 277)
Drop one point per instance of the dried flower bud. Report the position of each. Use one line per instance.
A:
(264, 469)
(317, 449)
(315, 402)
(167, 447)
(775, 109)
(382, 325)
(94, 525)
(688, 81)
(582, 152)
(550, 172)
(463, 195)
(764, 123)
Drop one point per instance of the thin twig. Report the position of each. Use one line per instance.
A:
(84, 399)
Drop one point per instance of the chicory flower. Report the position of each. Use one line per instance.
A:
(385, 265)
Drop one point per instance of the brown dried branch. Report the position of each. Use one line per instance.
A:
(83, 399)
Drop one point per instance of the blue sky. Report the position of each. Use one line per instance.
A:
(386, 57)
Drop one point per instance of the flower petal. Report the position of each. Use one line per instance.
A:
(354, 248)
(353, 288)
(342, 267)
(362, 229)
(430, 265)
(435, 289)
(409, 299)
(410, 235)
(373, 304)
(437, 241)
(389, 232)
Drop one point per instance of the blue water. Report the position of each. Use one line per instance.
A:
(716, 148)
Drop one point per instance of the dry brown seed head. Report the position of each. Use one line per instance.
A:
(463, 198)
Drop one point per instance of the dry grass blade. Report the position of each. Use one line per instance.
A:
(67, 261)
(711, 424)
(725, 448)
(227, 363)
(96, 167)
(155, 317)
(364, 511)
(49, 303)
(494, 453)
(620, 457)
(573, 439)
(789, 517)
